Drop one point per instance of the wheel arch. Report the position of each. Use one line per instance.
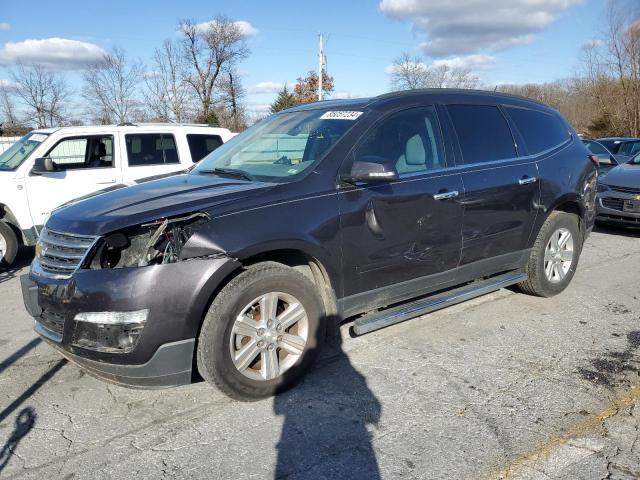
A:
(10, 219)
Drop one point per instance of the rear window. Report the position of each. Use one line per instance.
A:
(483, 133)
(202, 145)
(151, 149)
(541, 131)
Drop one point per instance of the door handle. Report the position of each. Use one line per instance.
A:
(107, 182)
(527, 180)
(445, 195)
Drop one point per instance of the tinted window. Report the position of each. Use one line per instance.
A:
(202, 145)
(83, 152)
(596, 148)
(483, 133)
(151, 149)
(410, 138)
(541, 131)
(629, 148)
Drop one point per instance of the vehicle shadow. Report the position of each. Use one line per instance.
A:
(617, 230)
(23, 259)
(325, 431)
(24, 423)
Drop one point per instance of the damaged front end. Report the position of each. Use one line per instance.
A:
(157, 243)
(154, 243)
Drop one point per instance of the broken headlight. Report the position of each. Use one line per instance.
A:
(154, 243)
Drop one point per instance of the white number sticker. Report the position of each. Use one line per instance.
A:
(341, 115)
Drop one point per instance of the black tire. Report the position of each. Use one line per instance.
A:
(538, 284)
(7, 233)
(214, 360)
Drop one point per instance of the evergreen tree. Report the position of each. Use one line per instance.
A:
(284, 100)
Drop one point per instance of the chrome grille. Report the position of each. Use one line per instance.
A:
(624, 189)
(613, 203)
(60, 254)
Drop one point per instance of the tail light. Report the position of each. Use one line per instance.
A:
(594, 159)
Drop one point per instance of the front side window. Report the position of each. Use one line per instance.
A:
(281, 147)
(202, 145)
(541, 131)
(83, 152)
(483, 133)
(145, 149)
(17, 153)
(411, 139)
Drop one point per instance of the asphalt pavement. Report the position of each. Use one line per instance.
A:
(505, 386)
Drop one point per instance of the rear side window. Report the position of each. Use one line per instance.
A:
(483, 133)
(541, 131)
(151, 149)
(202, 145)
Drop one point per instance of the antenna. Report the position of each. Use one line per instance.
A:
(321, 64)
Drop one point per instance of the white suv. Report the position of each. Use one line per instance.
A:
(47, 168)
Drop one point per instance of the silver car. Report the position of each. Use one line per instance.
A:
(619, 194)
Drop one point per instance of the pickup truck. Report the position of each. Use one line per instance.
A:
(51, 167)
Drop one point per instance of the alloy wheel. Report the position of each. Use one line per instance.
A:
(558, 255)
(269, 336)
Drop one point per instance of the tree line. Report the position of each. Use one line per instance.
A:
(192, 78)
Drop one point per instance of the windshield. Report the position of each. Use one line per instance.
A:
(596, 148)
(629, 148)
(20, 151)
(635, 160)
(280, 147)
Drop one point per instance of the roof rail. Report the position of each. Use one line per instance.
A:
(127, 124)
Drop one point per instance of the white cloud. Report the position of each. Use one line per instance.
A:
(246, 29)
(266, 87)
(6, 84)
(4, 27)
(54, 53)
(593, 43)
(469, 26)
(469, 62)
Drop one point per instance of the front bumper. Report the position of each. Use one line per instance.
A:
(176, 295)
(610, 208)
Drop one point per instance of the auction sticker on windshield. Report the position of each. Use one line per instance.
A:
(341, 115)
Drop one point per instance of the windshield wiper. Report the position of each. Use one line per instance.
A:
(231, 172)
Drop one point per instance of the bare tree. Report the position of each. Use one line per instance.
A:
(43, 94)
(7, 108)
(232, 114)
(209, 50)
(167, 93)
(111, 86)
(410, 73)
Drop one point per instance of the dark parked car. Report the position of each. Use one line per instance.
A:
(625, 146)
(377, 209)
(619, 195)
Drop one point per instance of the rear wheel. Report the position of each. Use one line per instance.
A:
(262, 332)
(554, 257)
(8, 245)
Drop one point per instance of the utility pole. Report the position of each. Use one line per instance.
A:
(321, 64)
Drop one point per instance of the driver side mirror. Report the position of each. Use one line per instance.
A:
(371, 168)
(43, 165)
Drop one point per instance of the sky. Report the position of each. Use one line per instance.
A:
(504, 41)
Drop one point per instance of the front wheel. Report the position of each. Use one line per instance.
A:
(8, 245)
(554, 256)
(262, 332)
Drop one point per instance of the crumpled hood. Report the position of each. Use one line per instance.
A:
(123, 207)
(625, 175)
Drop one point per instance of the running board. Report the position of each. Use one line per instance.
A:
(377, 320)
